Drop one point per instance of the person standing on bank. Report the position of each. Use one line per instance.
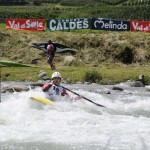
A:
(51, 54)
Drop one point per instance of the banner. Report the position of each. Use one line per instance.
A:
(110, 24)
(67, 24)
(143, 26)
(26, 24)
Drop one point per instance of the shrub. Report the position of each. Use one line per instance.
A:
(125, 56)
(92, 76)
(37, 2)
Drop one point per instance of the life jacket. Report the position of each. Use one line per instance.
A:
(53, 90)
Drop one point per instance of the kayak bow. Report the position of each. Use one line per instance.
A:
(43, 100)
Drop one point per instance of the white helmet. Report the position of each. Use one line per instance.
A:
(56, 74)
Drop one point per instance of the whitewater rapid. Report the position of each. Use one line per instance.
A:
(79, 125)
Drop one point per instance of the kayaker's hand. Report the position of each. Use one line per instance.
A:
(78, 97)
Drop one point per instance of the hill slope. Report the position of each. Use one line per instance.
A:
(94, 46)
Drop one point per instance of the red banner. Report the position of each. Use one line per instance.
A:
(26, 24)
(143, 26)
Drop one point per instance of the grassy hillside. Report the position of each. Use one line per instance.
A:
(117, 56)
(115, 47)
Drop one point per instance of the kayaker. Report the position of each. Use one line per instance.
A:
(53, 88)
(51, 54)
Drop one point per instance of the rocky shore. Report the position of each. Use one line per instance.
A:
(26, 86)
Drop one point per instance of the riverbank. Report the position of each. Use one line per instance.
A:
(114, 56)
(110, 74)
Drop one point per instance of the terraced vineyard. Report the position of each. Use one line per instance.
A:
(76, 2)
(59, 9)
(137, 3)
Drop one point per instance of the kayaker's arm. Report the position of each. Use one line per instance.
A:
(46, 86)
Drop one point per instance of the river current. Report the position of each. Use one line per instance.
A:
(77, 125)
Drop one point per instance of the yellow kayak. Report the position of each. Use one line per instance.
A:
(43, 100)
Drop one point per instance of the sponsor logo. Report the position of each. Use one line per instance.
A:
(141, 27)
(110, 24)
(68, 24)
(26, 24)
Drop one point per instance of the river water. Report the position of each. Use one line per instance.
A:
(79, 125)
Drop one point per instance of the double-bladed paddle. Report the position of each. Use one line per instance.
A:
(83, 97)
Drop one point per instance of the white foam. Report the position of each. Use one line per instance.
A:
(123, 125)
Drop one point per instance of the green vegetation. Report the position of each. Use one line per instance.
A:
(109, 74)
(75, 3)
(103, 57)
(94, 47)
(92, 76)
(2, 25)
(63, 9)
